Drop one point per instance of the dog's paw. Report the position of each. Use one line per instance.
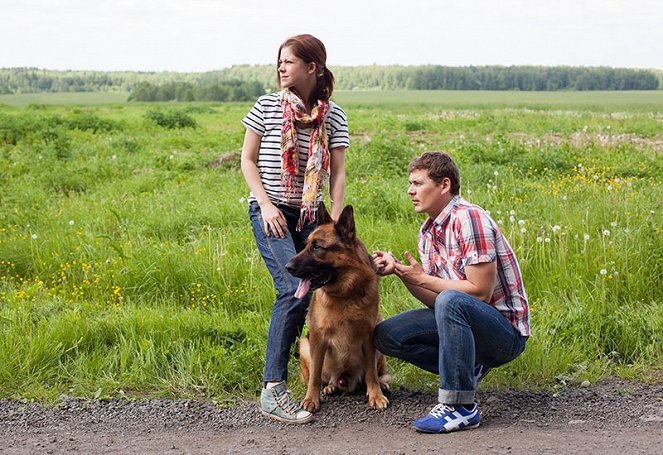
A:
(331, 388)
(311, 404)
(378, 401)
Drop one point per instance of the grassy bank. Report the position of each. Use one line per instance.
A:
(127, 265)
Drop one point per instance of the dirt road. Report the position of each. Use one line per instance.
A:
(612, 417)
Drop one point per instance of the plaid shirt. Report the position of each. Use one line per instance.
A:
(464, 234)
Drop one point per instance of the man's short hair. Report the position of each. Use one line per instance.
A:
(439, 165)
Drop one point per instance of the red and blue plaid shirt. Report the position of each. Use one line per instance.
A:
(464, 234)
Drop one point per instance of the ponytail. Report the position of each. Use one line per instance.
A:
(325, 86)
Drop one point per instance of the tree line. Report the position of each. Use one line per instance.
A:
(213, 85)
(186, 91)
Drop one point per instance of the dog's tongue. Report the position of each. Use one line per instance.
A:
(302, 289)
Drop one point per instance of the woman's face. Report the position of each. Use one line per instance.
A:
(295, 73)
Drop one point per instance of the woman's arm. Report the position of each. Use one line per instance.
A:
(337, 180)
(272, 217)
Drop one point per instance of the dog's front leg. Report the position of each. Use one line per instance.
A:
(317, 350)
(376, 398)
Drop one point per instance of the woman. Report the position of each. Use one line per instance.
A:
(295, 143)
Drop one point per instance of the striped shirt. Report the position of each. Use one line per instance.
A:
(265, 118)
(464, 234)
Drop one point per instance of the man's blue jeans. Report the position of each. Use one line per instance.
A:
(449, 340)
(288, 313)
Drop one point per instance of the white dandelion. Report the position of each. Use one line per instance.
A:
(539, 240)
(603, 272)
(585, 237)
(606, 232)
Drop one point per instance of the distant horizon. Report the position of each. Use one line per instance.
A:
(331, 66)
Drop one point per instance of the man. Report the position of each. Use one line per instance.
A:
(477, 315)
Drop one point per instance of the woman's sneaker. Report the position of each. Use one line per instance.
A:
(277, 404)
(446, 418)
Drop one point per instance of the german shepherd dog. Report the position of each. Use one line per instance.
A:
(338, 352)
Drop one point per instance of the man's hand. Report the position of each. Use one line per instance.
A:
(383, 262)
(413, 273)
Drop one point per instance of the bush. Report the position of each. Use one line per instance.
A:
(171, 119)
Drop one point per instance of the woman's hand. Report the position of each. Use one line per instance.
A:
(273, 220)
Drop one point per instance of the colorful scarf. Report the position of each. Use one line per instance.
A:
(317, 166)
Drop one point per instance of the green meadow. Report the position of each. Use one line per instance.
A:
(128, 266)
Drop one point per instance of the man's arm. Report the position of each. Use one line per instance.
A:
(480, 282)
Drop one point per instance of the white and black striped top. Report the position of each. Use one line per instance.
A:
(265, 118)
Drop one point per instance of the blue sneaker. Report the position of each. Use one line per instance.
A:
(479, 372)
(446, 418)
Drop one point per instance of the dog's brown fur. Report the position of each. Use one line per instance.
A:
(338, 351)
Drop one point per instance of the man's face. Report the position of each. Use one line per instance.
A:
(426, 195)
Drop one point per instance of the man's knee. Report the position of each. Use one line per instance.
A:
(449, 303)
(381, 340)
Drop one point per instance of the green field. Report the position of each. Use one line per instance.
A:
(636, 101)
(78, 98)
(128, 267)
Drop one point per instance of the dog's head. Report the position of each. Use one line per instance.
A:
(329, 248)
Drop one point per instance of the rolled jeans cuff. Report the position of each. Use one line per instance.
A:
(455, 396)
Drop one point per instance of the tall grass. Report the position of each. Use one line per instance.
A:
(127, 265)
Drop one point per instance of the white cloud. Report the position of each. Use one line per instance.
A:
(198, 35)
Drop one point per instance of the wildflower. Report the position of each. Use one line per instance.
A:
(613, 224)
(603, 272)
(218, 269)
(617, 180)
(606, 232)
(500, 222)
(539, 240)
(35, 236)
(585, 237)
(512, 212)
(114, 157)
(523, 230)
(556, 228)
(564, 198)
(71, 222)
(171, 157)
(547, 240)
(512, 218)
(496, 173)
(609, 188)
(521, 222)
(469, 191)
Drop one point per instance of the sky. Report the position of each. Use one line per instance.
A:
(206, 35)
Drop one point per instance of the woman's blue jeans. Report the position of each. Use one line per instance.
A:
(288, 313)
(449, 340)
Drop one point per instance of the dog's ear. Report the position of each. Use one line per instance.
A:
(323, 215)
(346, 223)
